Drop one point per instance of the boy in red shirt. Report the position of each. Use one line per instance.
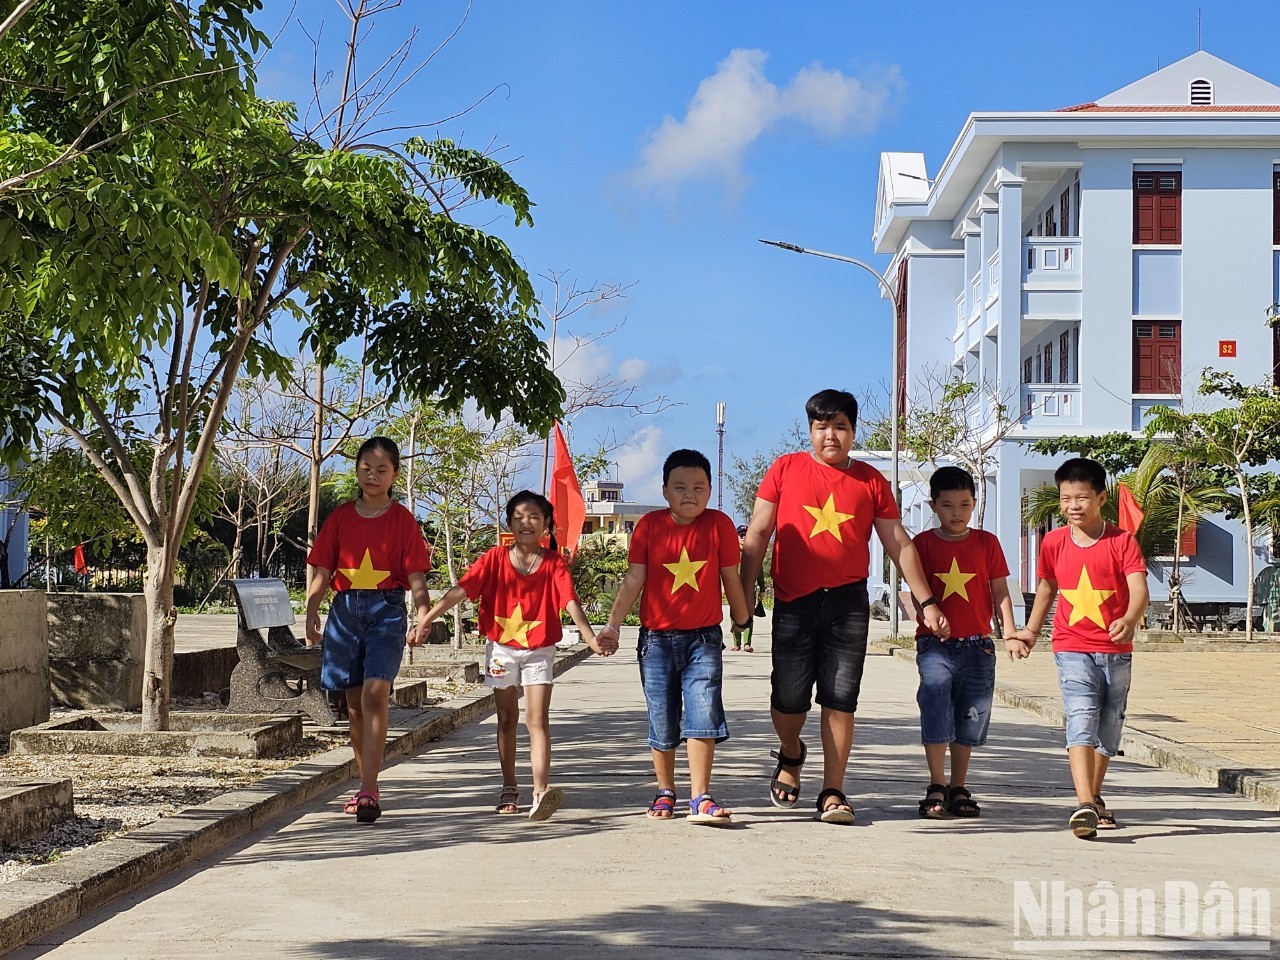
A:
(823, 505)
(678, 560)
(1098, 574)
(958, 675)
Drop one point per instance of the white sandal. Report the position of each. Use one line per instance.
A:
(546, 803)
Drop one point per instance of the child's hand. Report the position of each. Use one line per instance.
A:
(315, 631)
(1121, 631)
(1017, 648)
(1026, 636)
(421, 632)
(936, 622)
(604, 646)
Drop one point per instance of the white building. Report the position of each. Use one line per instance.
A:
(609, 515)
(1091, 261)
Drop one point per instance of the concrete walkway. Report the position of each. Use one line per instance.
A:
(442, 876)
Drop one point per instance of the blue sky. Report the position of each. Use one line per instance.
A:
(659, 140)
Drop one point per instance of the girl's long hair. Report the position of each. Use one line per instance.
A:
(544, 507)
(387, 446)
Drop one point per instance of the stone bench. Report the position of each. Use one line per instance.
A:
(276, 672)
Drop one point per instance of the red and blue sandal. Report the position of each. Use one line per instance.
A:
(704, 810)
(367, 808)
(663, 806)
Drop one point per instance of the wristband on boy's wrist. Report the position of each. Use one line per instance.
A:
(929, 602)
(744, 624)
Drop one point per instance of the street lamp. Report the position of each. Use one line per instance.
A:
(894, 400)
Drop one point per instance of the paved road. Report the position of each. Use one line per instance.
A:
(440, 873)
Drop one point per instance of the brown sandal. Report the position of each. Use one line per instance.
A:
(510, 802)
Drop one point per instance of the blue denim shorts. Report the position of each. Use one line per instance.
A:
(682, 667)
(957, 684)
(1095, 691)
(363, 638)
(820, 638)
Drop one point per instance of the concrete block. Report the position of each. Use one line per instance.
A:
(29, 807)
(411, 692)
(29, 908)
(24, 659)
(190, 734)
(196, 672)
(90, 684)
(463, 671)
(97, 646)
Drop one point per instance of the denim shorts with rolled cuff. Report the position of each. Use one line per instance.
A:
(820, 638)
(957, 685)
(363, 638)
(1095, 692)
(682, 672)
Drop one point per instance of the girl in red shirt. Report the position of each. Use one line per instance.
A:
(522, 589)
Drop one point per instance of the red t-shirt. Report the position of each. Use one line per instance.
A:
(960, 574)
(1092, 589)
(370, 553)
(824, 517)
(518, 609)
(682, 564)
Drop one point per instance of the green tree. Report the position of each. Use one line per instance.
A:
(1117, 452)
(153, 268)
(1242, 434)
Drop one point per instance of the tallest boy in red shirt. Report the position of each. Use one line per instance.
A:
(823, 506)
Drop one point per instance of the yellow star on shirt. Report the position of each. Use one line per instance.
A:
(515, 628)
(955, 580)
(685, 571)
(827, 518)
(1086, 601)
(365, 576)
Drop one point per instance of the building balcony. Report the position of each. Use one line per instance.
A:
(1144, 402)
(1051, 274)
(1050, 405)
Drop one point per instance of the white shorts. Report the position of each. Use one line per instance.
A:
(516, 667)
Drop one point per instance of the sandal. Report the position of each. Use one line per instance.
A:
(747, 649)
(546, 803)
(934, 804)
(781, 794)
(960, 803)
(704, 810)
(510, 801)
(367, 809)
(1084, 822)
(663, 806)
(839, 812)
(352, 805)
(1106, 819)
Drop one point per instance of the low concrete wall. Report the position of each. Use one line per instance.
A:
(24, 659)
(97, 644)
(196, 672)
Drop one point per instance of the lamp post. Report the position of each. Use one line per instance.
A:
(895, 412)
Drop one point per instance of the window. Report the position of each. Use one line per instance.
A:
(1064, 358)
(1040, 226)
(1039, 371)
(1275, 207)
(1050, 226)
(1048, 363)
(1026, 368)
(1201, 93)
(1157, 207)
(1189, 542)
(1064, 212)
(1157, 357)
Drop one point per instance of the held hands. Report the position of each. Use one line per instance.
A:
(1017, 647)
(420, 632)
(936, 622)
(604, 643)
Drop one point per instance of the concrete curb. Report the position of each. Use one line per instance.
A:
(1261, 786)
(47, 897)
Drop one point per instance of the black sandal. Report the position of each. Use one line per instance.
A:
(790, 793)
(934, 804)
(839, 812)
(960, 803)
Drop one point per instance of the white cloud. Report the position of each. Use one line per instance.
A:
(738, 104)
(633, 369)
(640, 465)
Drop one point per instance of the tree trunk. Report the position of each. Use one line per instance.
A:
(157, 677)
(317, 451)
(448, 559)
(1248, 543)
(1176, 581)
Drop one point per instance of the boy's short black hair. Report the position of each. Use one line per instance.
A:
(685, 458)
(1082, 470)
(947, 479)
(827, 404)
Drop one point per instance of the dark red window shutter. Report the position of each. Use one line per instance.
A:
(1157, 207)
(1187, 542)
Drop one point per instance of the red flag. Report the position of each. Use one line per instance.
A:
(1130, 513)
(566, 497)
(81, 565)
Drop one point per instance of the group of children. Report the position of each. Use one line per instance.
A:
(819, 509)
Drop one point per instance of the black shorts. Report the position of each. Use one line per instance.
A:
(820, 638)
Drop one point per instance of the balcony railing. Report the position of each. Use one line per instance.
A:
(1051, 262)
(1050, 405)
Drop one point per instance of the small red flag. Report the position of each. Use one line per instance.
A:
(1130, 513)
(81, 565)
(566, 497)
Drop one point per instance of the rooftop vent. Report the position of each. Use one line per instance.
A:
(1201, 93)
